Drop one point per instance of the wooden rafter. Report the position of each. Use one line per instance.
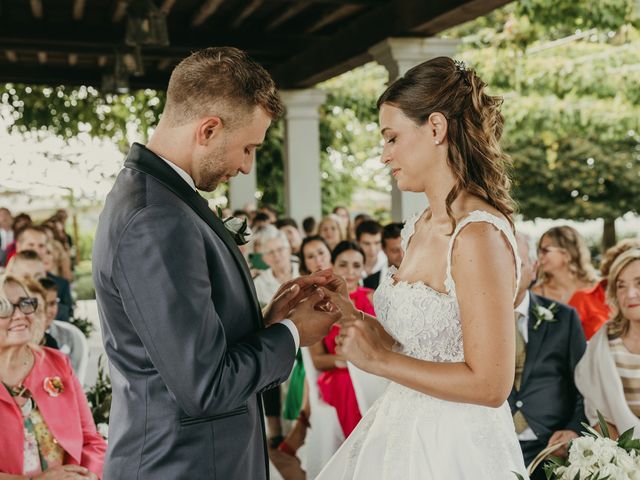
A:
(164, 64)
(338, 14)
(78, 9)
(120, 10)
(290, 12)
(42, 57)
(72, 58)
(167, 5)
(36, 8)
(11, 56)
(207, 9)
(102, 60)
(246, 12)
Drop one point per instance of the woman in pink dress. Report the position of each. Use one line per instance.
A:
(334, 381)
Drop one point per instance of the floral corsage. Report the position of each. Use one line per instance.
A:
(544, 314)
(238, 228)
(53, 386)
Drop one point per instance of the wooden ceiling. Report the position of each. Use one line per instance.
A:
(301, 42)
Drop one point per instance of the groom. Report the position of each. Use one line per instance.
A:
(188, 349)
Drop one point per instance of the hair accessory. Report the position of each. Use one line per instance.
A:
(462, 69)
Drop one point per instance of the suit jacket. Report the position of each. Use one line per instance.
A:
(65, 306)
(373, 280)
(67, 415)
(548, 397)
(188, 351)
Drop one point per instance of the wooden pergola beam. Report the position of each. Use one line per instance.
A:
(42, 57)
(167, 5)
(78, 9)
(120, 10)
(246, 12)
(72, 58)
(207, 9)
(290, 12)
(338, 14)
(11, 55)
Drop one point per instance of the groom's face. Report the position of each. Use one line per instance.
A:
(231, 150)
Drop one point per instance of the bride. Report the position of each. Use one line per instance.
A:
(445, 329)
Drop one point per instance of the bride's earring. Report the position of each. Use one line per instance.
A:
(437, 142)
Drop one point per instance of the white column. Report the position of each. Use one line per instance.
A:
(242, 189)
(398, 55)
(302, 153)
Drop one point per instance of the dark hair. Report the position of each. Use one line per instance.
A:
(286, 222)
(21, 218)
(313, 238)
(49, 285)
(269, 208)
(393, 230)
(474, 127)
(240, 213)
(309, 224)
(362, 217)
(220, 75)
(27, 228)
(29, 255)
(345, 246)
(261, 217)
(370, 227)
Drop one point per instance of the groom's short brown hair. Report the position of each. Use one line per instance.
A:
(221, 81)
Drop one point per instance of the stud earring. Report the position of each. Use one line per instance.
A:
(437, 142)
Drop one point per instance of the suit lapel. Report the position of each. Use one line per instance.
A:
(145, 161)
(535, 341)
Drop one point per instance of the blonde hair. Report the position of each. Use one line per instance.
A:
(332, 217)
(571, 242)
(31, 287)
(618, 325)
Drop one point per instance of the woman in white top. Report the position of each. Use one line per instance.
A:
(608, 376)
(276, 253)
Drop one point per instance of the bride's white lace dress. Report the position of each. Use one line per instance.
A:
(408, 435)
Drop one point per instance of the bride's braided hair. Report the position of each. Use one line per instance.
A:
(474, 127)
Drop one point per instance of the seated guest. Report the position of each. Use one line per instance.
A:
(609, 374)
(27, 264)
(47, 427)
(315, 255)
(42, 336)
(545, 403)
(260, 220)
(392, 248)
(276, 253)
(6, 232)
(343, 214)
(35, 238)
(290, 229)
(309, 226)
(591, 303)
(369, 237)
(334, 382)
(19, 222)
(564, 264)
(332, 230)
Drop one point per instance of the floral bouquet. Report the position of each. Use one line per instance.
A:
(595, 456)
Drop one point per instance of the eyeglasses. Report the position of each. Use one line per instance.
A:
(546, 250)
(26, 305)
(275, 251)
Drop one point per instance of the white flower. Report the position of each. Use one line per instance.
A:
(546, 313)
(103, 429)
(625, 462)
(234, 224)
(606, 450)
(581, 452)
(239, 229)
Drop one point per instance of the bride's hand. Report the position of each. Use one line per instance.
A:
(361, 344)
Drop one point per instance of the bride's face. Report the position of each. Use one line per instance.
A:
(409, 150)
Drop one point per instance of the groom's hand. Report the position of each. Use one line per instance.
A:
(292, 293)
(313, 317)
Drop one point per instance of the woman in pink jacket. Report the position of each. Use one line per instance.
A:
(48, 432)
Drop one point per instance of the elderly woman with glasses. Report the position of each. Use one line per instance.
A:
(608, 375)
(48, 432)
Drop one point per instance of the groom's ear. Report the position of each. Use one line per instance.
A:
(209, 129)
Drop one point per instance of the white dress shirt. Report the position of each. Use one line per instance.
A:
(187, 178)
(523, 328)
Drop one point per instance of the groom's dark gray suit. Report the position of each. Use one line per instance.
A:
(184, 334)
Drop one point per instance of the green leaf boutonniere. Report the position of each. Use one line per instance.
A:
(237, 227)
(544, 314)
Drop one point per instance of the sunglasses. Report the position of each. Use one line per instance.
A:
(26, 305)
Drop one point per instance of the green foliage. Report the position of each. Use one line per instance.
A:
(83, 282)
(99, 396)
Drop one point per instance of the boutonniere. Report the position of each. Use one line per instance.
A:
(544, 314)
(53, 386)
(238, 228)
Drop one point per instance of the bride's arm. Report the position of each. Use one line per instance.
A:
(483, 269)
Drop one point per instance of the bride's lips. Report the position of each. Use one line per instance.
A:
(394, 171)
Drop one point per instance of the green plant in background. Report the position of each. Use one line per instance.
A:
(85, 326)
(99, 398)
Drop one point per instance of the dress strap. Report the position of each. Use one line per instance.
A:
(500, 224)
(408, 230)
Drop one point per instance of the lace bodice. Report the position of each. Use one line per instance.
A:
(425, 322)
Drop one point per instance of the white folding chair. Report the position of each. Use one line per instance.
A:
(325, 435)
(367, 387)
(67, 334)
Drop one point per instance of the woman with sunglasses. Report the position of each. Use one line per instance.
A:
(48, 432)
(564, 265)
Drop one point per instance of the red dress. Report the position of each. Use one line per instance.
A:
(592, 307)
(335, 384)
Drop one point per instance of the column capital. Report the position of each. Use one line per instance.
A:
(398, 55)
(303, 103)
